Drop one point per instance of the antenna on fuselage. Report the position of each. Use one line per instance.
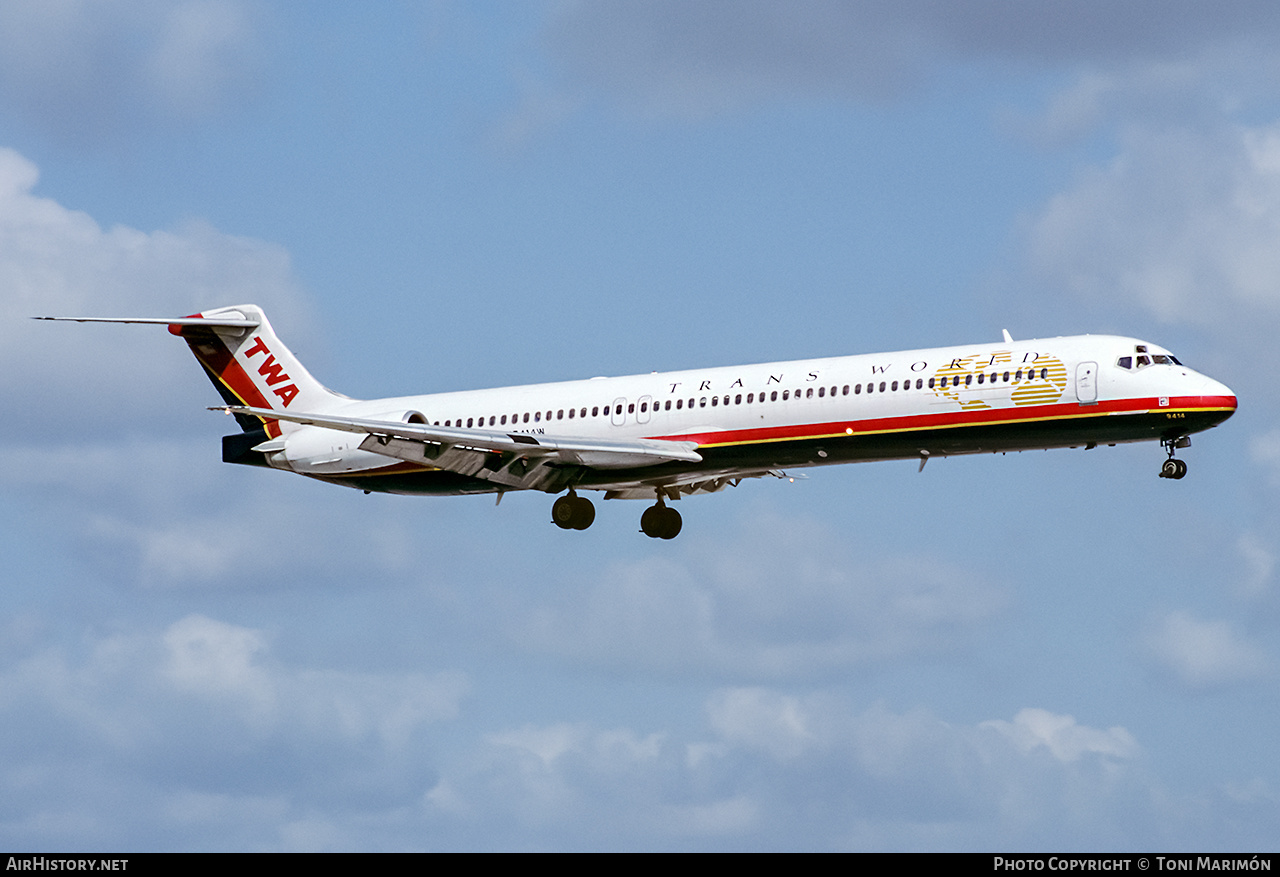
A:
(1008, 339)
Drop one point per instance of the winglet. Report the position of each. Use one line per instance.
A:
(1008, 339)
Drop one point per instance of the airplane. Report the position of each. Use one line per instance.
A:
(664, 436)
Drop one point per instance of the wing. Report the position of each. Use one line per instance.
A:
(509, 459)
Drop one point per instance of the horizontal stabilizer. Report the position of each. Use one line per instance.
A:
(164, 321)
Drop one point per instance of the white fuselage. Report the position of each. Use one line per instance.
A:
(924, 396)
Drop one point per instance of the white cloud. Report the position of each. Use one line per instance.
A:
(1062, 737)
(786, 770)
(199, 735)
(56, 261)
(1204, 654)
(198, 664)
(759, 718)
(207, 657)
(1182, 222)
(786, 599)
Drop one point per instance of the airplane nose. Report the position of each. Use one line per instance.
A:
(1216, 394)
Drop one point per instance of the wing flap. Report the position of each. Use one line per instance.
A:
(508, 458)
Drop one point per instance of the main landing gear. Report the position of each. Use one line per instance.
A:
(1173, 467)
(660, 521)
(573, 512)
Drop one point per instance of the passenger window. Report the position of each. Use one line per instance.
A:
(1006, 377)
(980, 377)
(808, 394)
(785, 395)
(571, 413)
(773, 396)
(822, 392)
(644, 406)
(715, 400)
(703, 402)
(751, 397)
(737, 400)
(882, 386)
(679, 404)
(930, 383)
(846, 389)
(894, 387)
(537, 417)
(968, 379)
(919, 383)
(631, 408)
(871, 388)
(667, 407)
(469, 422)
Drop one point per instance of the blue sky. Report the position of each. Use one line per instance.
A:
(1049, 650)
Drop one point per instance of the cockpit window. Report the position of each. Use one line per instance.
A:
(1144, 359)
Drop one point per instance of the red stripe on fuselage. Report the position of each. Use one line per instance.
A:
(222, 364)
(952, 419)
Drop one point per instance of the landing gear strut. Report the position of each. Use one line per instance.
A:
(1173, 467)
(660, 521)
(573, 512)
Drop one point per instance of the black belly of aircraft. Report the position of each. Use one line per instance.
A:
(796, 453)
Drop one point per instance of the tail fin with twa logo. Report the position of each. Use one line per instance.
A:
(250, 366)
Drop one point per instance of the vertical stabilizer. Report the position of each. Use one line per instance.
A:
(250, 366)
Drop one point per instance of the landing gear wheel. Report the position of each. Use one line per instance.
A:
(562, 512)
(671, 524)
(1173, 468)
(661, 522)
(584, 513)
(573, 512)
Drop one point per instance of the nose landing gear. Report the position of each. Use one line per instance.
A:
(573, 512)
(1173, 467)
(660, 521)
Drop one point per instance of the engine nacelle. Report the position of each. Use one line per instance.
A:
(314, 450)
(401, 416)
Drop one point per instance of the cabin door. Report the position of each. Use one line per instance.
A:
(1087, 382)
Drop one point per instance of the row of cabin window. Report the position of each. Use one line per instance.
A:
(884, 387)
